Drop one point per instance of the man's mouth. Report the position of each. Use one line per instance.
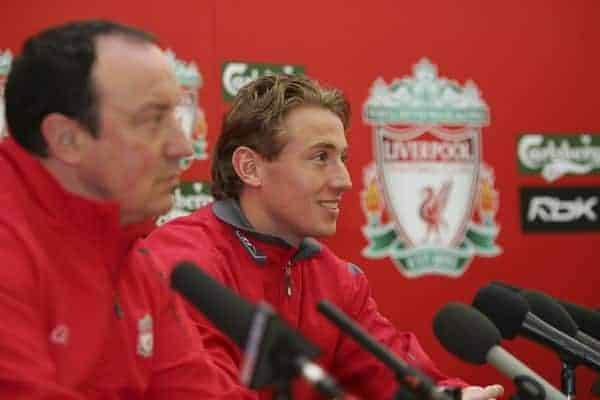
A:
(171, 181)
(333, 205)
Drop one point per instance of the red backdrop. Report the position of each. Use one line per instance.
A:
(536, 64)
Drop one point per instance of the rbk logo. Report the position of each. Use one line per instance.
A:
(553, 209)
(560, 209)
(250, 248)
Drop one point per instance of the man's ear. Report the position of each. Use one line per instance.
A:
(65, 138)
(247, 165)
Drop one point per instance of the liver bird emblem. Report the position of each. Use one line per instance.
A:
(432, 209)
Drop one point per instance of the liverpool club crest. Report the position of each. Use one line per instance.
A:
(428, 198)
(189, 196)
(189, 113)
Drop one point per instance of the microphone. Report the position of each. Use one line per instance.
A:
(411, 377)
(510, 313)
(275, 352)
(587, 320)
(473, 338)
(553, 313)
(569, 318)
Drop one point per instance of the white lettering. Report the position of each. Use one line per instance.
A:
(534, 156)
(421, 150)
(552, 209)
(232, 77)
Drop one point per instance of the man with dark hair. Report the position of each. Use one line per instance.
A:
(94, 148)
(279, 173)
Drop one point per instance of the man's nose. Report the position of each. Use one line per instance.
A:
(341, 179)
(179, 145)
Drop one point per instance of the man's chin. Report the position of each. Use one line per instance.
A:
(152, 210)
(162, 209)
(325, 231)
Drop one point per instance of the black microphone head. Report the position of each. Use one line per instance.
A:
(272, 347)
(550, 311)
(586, 319)
(226, 310)
(505, 308)
(465, 332)
(508, 286)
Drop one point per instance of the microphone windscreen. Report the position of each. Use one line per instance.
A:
(508, 286)
(586, 319)
(465, 332)
(506, 309)
(550, 311)
(229, 312)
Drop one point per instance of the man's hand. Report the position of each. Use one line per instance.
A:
(491, 392)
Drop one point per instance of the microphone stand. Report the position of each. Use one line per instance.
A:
(567, 379)
(275, 355)
(412, 383)
(283, 390)
(595, 390)
(528, 389)
(286, 371)
(404, 393)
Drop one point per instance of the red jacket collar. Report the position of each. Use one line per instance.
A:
(230, 212)
(88, 215)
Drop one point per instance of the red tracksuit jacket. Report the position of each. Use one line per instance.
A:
(259, 267)
(82, 317)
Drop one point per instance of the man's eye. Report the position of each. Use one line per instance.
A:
(322, 156)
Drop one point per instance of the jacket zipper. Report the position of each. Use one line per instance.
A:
(117, 305)
(288, 278)
(115, 278)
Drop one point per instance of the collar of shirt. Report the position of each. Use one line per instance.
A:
(229, 212)
(63, 207)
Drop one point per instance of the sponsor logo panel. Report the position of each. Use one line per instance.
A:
(187, 198)
(556, 155)
(565, 209)
(236, 74)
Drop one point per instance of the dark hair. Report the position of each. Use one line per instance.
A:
(255, 121)
(53, 74)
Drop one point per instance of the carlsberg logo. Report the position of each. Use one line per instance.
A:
(557, 155)
(237, 74)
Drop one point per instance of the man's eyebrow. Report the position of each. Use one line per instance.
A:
(146, 109)
(327, 145)
(153, 106)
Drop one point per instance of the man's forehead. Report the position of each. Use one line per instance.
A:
(119, 44)
(118, 53)
(313, 118)
(128, 67)
(305, 141)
